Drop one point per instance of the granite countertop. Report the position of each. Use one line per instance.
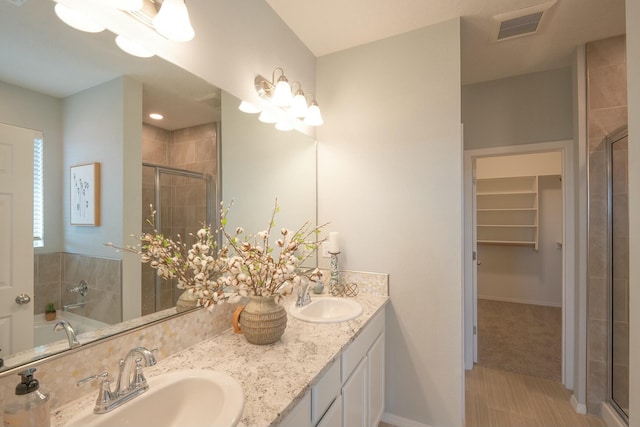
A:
(273, 377)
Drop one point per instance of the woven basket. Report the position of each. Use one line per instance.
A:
(263, 321)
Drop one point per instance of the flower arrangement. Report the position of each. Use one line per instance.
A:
(260, 268)
(199, 269)
(214, 275)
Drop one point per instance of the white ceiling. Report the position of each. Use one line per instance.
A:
(329, 26)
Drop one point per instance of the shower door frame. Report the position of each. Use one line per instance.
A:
(610, 139)
(210, 189)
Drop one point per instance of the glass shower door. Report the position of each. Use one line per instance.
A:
(619, 272)
(183, 203)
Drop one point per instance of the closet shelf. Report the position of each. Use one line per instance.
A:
(507, 211)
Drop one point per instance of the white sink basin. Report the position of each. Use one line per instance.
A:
(182, 398)
(327, 310)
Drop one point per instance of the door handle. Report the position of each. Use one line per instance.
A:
(23, 299)
(478, 262)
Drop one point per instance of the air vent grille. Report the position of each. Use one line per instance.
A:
(521, 22)
(519, 26)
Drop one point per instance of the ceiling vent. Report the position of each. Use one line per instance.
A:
(522, 22)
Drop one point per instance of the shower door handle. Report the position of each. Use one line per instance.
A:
(23, 299)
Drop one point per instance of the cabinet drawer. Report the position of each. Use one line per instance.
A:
(325, 391)
(333, 416)
(300, 415)
(359, 347)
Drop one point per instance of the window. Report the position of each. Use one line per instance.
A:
(38, 198)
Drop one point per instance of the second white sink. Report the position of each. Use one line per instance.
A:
(327, 310)
(191, 397)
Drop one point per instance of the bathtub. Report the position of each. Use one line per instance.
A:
(43, 333)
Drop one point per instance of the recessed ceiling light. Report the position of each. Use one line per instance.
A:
(156, 116)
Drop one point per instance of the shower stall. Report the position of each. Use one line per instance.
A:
(618, 272)
(183, 202)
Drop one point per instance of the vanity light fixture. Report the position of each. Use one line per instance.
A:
(249, 108)
(267, 117)
(168, 18)
(293, 105)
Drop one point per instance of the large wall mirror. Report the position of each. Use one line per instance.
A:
(91, 101)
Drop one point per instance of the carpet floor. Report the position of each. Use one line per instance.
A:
(521, 338)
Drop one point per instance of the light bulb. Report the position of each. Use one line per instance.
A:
(76, 19)
(282, 93)
(133, 48)
(266, 117)
(283, 124)
(247, 107)
(172, 21)
(314, 118)
(299, 105)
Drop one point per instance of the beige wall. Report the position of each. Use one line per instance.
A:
(390, 181)
(607, 111)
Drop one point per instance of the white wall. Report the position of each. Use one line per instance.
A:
(633, 97)
(104, 124)
(25, 108)
(389, 180)
(516, 110)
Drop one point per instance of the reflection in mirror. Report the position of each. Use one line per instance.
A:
(91, 102)
(618, 217)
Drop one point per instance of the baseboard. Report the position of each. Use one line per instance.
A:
(520, 301)
(580, 408)
(400, 421)
(611, 417)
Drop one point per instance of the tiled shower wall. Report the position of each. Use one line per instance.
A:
(193, 149)
(56, 273)
(607, 111)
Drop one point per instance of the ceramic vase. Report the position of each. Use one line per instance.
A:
(186, 301)
(263, 320)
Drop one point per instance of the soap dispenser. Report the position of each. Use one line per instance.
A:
(30, 406)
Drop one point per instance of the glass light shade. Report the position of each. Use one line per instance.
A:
(128, 5)
(282, 93)
(133, 48)
(313, 118)
(284, 124)
(266, 117)
(173, 21)
(76, 19)
(299, 105)
(247, 107)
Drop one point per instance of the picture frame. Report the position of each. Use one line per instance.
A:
(84, 190)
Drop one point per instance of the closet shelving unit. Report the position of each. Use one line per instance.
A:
(507, 211)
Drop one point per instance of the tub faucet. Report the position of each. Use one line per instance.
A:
(303, 294)
(68, 329)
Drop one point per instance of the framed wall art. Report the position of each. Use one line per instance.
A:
(85, 194)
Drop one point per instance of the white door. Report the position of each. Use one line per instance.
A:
(16, 238)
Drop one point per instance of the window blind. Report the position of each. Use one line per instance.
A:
(38, 198)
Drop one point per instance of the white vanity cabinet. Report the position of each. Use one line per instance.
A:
(350, 393)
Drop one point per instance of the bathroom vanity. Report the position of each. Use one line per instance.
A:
(315, 374)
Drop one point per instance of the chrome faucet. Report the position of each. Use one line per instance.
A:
(125, 382)
(71, 334)
(128, 386)
(303, 294)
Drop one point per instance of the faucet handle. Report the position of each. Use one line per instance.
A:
(139, 381)
(105, 396)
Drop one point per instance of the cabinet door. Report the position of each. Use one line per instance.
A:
(300, 416)
(354, 397)
(375, 357)
(333, 416)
